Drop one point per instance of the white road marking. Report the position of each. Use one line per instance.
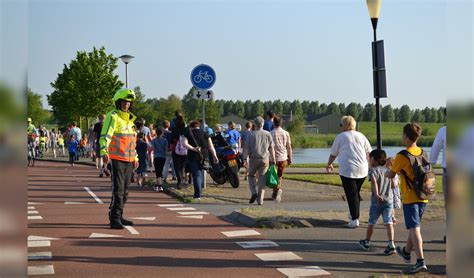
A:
(192, 216)
(179, 209)
(132, 230)
(40, 255)
(303, 271)
(93, 195)
(40, 243)
(241, 233)
(145, 218)
(170, 205)
(192, 212)
(40, 270)
(97, 235)
(31, 207)
(278, 256)
(74, 203)
(33, 203)
(33, 212)
(35, 238)
(34, 217)
(257, 244)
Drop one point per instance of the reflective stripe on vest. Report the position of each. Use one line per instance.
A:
(122, 147)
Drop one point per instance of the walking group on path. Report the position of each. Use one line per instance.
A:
(122, 146)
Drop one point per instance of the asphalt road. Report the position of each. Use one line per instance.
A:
(78, 242)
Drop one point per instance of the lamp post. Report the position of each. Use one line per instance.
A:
(126, 59)
(378, 65)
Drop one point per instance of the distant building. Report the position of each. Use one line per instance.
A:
(326, 123)
(240, 122)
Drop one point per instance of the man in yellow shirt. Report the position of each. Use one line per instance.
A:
(413, 207)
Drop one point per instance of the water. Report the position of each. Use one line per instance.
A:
(322, 155)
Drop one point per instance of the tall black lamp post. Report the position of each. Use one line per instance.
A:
(378, 65)
(126, 59)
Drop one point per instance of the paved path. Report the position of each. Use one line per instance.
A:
(69, 236)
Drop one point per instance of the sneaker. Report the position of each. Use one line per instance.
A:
(107, 172)
(389, 250)
(401, 252)
(278, 196)
(365, 244)
(253, 198)
(160, 189)
(101, 175)
(155, 188)
(419, 266)
(353, 223)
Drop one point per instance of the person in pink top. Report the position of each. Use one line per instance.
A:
(283, 153)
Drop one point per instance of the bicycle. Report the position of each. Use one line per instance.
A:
(203, 76)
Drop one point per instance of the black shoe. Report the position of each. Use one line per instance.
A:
(390, 250)
(101, 175)
(126, 222)
(419, 266)
(365, 244)
(401, 252)
(116, 226)
(107, 172)
(274, 194)
(253, 198)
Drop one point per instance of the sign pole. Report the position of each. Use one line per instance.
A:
(204, 172)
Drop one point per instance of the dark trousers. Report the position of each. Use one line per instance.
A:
(179, 162)
(159, 164)
(72, 157)
(352, 189)
(121, 172)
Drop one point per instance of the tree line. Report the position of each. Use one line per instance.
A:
(85, 87)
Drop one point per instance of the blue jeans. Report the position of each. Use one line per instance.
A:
(198, 178)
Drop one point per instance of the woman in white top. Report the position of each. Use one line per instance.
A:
(352, 149)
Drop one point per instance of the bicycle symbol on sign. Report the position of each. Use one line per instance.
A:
(203, 76)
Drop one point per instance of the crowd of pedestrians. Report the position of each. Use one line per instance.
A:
(127, 149)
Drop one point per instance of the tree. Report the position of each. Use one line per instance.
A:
(441, 116)
(35, 108)
(368, 114)
(354, 109)
(418, 116)
(333, 108)
(297, 109)
(248, 109)
(314, 106)
(193, 108)
(228, 107)
(405, 114)
(427, 115)
(342, 108)
(277, 107)
(239, 109)
(167, 108)
(388, 114)
(85, 87)
(257, 109)
(323, 108)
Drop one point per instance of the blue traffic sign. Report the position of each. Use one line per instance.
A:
(203, 77)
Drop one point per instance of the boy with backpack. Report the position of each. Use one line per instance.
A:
(417, 184)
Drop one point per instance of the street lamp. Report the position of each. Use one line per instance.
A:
(378, 65)
(126, 59)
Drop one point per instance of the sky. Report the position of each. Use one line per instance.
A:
(267, 50)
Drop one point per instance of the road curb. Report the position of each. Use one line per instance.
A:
(238, 217)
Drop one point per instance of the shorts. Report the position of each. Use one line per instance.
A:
(413, 214)
(385, 209)
(280, 167)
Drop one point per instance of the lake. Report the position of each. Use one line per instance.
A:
(321, 155)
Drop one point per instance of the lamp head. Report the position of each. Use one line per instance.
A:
(126, 58)
(374, 11)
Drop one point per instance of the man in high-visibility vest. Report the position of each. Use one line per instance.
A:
(117, 143)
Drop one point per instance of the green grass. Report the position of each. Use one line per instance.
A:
(336, 180)
(391, 135)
